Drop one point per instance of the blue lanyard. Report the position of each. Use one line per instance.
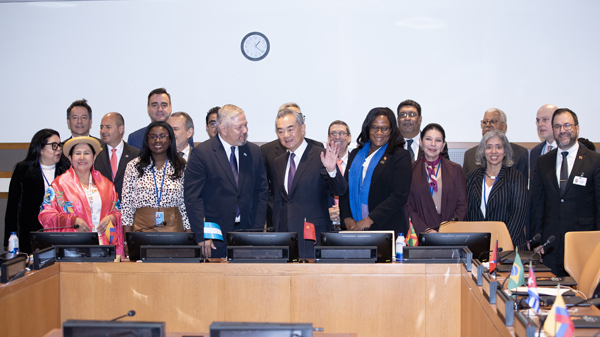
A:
(159, 196)
(43, 175)
(485, 185)
(436, 174)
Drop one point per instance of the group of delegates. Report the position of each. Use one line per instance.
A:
(158, 180)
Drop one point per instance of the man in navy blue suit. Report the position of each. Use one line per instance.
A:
(225, 182)
(159, 110)
(543, 120)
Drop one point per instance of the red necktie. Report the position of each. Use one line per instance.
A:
(113, 163)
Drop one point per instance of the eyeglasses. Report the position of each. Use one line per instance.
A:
(338, 134)
(212, 124)
(411, 114)
(55, 146)
(490, 122)
(383, 129)
(566, 126)
(155, 137)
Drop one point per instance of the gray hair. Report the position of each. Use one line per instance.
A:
(284, 112)
(508, 151)
(289, 105)
(502, 114)
(227, 113)
(189, 123)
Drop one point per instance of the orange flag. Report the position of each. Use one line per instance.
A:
(309, 231)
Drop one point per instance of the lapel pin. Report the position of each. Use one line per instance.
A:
(245, 154)
(580, 157)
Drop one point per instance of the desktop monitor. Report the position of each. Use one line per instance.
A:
(41, 240)
(288, 239)
(478, 243)
(137, 239)
(383, 240)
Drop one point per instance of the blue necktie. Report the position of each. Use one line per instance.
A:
(233, 163)
(291, 173)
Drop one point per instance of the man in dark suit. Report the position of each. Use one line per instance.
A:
(495, 119)
(303, 179)
(543, 120)
(409, 123)
(225, 182)
(183, 128)
(79, 120)
(159, 110)
(274, 149)
(211, 121)
(112, 160)
(565, 189)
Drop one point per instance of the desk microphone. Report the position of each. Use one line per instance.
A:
(51, 229)
(536, 238)
(131, 313)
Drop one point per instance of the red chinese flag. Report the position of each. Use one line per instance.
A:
(309, 232)
(494, 258)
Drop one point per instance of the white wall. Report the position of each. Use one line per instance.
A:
(337, 59)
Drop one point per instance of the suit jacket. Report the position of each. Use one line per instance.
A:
(25, 195)
(578, 209)
(520, 157)
(270, 151)
(534, 154)
(508, 201)
(211, 193)
(308, 198)
(388, 194)
(136, 138)
(420, 207)
(102, 165)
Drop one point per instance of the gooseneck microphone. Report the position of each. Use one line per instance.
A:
(131, 313)
(54, 228)
(536, 238)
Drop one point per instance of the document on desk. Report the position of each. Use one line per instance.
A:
(542, 291)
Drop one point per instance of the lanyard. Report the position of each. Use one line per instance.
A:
(436, 174)
(43, 175)
(159, 196)
(485, 185)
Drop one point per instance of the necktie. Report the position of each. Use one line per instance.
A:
(180, 153)
(549, 148)
(410, 150)
(113, 163)
(339, 164)
(564, 172)
(291, 172)
(234, 168)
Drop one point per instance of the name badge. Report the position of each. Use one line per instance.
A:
(581, 181)
(159, 219)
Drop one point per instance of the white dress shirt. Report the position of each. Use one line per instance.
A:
(186, 153)
(119, 152)
(545, 148)
(227, 147)
(570, 160)
(414, 145)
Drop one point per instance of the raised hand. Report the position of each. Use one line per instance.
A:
(329, 159)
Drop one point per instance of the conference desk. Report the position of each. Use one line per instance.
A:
(367, 299)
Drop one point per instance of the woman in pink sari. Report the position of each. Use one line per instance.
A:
(84, 197)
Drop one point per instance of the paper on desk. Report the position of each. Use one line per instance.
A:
(550, 291)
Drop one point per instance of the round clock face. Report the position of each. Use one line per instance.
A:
(255, 46)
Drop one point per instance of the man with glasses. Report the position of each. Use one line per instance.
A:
(565, 190)
(495, 119)
(339, 132)
(409, 123)
(543, 121)
(211, 122)
(274, 149)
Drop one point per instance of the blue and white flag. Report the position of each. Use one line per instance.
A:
(212, 231)
(534, 299)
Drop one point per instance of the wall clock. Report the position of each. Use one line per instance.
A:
(255, 46)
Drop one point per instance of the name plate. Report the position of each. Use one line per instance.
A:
(13, 269)
(44, 258)
(523, 326)
(345, 254)
(476, 271)
(505, 307)
(258, 254)
(171, 254)
(490, 286)
(85, 253)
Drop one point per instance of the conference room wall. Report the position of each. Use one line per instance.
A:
(337, 59)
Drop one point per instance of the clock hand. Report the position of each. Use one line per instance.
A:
(262, 51)
(257, 44)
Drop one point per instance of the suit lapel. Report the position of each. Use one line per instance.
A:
(104, 160)
(381, 165)
(579, 159)
(123, 161)
(280, 172)
(221, 156)
(303, 164)
(549, 160)
(244, 164)
(500, 181)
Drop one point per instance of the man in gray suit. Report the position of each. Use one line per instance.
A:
(115, 155)
(543, 120)
(495, 119)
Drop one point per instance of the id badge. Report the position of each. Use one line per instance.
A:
(581, 181)
(159, 218)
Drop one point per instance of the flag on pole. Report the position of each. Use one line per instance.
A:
(517, 274)
(212, 231)
(110, 234)
(494, 258)
(411, 237)
(534, 299)
(309, 231)
(558, 323)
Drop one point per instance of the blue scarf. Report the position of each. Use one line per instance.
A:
(357, 188)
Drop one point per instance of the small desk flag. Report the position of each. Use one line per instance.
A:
(558, 323)
(411, 237)
(494, 258)
(534, 298)
(517, 274)
(212, 231)
(309, 231)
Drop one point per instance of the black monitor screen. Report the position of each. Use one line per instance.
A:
(137, 239)
(41, 240)
(478, 243)
(288, 239)
(384, 240)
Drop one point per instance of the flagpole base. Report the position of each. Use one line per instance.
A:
(304, 261)
(204, 260)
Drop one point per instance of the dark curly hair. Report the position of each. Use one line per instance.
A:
(396, 139)
(145, 154)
